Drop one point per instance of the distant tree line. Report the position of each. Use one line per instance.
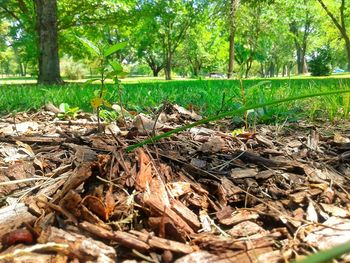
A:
(192, 38)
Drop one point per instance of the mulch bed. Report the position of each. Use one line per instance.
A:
(70, 193)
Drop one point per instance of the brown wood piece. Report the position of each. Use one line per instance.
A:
(165, 244)
(81, 174)
(122, 238)
(81, 247)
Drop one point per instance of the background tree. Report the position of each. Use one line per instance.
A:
(301, 26)
(169, 22)
(340, 22)
(199, 50)
(188, 37)
(49, 66)
(234, 4)
(146, 39)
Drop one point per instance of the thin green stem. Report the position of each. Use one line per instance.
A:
(327, 255)
(231, 113)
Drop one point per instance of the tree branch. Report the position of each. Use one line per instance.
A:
(342, 17)
(22, 6)
(12, 14)
(331, 15)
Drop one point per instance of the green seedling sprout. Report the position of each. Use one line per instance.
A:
(107, 68)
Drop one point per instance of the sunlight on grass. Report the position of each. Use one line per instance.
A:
(207, 97)
(147, 79)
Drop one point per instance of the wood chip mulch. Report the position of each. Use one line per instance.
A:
(69, 193)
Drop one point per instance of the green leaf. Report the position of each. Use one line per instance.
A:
(89, 81)
(74, 110)
(116, 66)
(64, 107)
(123, 74)
(112, 49)
(91, 47)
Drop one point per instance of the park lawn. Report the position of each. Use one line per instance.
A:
(207, 97)
(141, 79)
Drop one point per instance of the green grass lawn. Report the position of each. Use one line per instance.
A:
(208, 97)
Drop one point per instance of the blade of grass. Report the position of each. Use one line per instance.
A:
(232, 113)
(327, 255)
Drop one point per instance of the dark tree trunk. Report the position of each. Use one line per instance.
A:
(20, 69)
(167, 67)
(283, 70)
(167, 70)
(300, 60)
(301, 51)
(262, 71)
(46, 18)
(272, 70)
(156, 68)
(195, 71)
(347, 47)
(289, 69)
(232, 18)
(25, 64)
(301, 44)
(167, 56)
(155, 72)
(249, 64)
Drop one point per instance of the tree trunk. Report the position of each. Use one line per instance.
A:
(262, 71)
(167, 70)
(195, 71)
(283, 70)
(232, 19)
(272, 70)
(155, 67)
(300, 60)
(156, 70)
(289, 68)
(25, 64)
(277, 70)
(249, 64)
(46, 19)
(301, 44)
(305, 67)
(167, 67)
(167, 56)
(347, 47)
(20, 69)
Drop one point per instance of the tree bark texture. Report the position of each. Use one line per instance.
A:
(48, 60)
